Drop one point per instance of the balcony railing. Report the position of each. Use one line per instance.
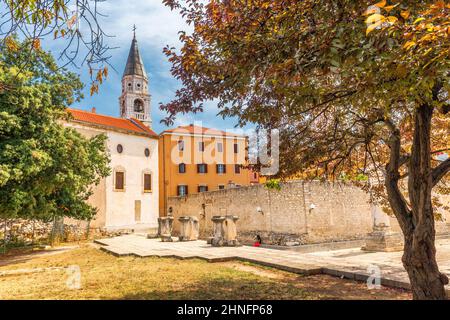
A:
(140, 116)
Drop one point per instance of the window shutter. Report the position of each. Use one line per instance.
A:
(206, 188)
(178, 191)
(119, 181)
(206, 168)
(186, 188)
(224, 168)
(198, 189)
(198, 168)
(235, 148)
(217, 168)
(147, 182)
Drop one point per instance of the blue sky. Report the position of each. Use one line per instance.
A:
(157, 26)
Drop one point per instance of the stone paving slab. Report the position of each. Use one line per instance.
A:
(351, 263)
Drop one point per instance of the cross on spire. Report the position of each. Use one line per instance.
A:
(134, 31)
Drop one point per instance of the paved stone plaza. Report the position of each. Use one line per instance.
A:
(350, 263)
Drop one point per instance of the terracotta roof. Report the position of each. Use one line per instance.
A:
(131, 125)
(191, 129)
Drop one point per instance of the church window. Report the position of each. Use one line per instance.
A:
(147, 152)
(119, 181)
(119, 148)
(138, 106)
(147, 182)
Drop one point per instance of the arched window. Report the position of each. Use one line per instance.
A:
(138, 106)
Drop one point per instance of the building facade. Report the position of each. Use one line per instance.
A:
(129, 197)
(195, 159)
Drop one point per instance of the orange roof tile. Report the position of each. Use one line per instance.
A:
(191, 129)
(131, 125)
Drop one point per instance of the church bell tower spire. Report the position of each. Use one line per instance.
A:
(135, 99)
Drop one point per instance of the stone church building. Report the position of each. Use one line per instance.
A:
(128, 198)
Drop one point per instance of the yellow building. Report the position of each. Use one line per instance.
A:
(195, 159)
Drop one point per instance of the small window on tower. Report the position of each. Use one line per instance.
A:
(138, 106)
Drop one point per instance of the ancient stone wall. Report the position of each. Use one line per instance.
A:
(303, 212)
(19, 232)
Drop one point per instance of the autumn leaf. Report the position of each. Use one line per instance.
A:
(389, 8)
(405, 14)
(381, 4)
(36, 44)
(11, 44)
(418, 20)
(408, 45)
(392, 19)
(371, 10)
(375, 18)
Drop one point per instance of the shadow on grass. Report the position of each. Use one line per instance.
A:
(226, 289)
(25, 254)
(317, 287)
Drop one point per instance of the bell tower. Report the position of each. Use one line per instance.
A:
(135, 99)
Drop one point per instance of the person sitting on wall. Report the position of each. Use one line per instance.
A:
(258, 241)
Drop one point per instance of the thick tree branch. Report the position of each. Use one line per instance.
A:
(396, 198)
(440, 171)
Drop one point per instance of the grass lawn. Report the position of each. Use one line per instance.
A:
(103, 276)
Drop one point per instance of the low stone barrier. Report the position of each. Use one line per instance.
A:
(28, 232)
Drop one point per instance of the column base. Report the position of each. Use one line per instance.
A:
(382, 239)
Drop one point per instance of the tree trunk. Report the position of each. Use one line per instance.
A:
(419, 257)
(417, 220)
(419, 260)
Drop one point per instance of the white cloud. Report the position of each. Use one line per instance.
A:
(157, 25)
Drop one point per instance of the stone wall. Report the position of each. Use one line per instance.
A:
(26, 232)
(303, 212)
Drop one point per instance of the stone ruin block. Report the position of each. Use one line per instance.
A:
(382, 239)
(165, 225)
(225, 231)
(189, 228)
